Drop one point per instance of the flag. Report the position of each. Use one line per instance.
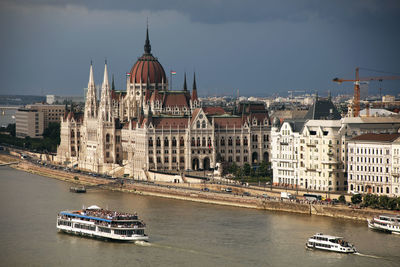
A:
(128, 74)
(173, 72)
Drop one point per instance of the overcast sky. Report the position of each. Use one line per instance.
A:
(257, 46)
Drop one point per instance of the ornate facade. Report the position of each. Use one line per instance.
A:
(149, 127)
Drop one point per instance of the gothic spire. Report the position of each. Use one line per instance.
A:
(194, 91)
(184, 84)
(194, 81)
(91, 79)
(112, 83)
(105, 80)
(147, 46)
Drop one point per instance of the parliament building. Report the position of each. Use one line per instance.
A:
(149, 127)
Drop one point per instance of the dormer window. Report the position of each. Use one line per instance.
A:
(198, 124)
(203, 124)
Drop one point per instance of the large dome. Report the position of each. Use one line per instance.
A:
(147, 68)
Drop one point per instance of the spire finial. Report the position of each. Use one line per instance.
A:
(184, 84)
(194, 81)
(147, 46)
(112, 83)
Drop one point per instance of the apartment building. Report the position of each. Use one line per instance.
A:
(370, 168)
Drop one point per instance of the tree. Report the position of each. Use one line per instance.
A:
(11, 129)
(246, 169)
(392, 204)
(356, 199)
(342, 199)
(383, 202)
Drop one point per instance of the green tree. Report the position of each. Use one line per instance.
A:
(246, 169)
(342, 199)
(356, 199)
(392, 204)
(11, 129)
(383, 202)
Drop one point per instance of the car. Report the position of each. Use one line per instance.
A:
(228, 190)
(205, 189)
(354, 192)
(247, 194)
(264, 195)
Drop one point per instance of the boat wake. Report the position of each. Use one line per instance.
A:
(142, 243)
(366, 255)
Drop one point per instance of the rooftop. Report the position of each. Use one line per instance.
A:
(383, 137)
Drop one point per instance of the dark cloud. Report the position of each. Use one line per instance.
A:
(231, 11)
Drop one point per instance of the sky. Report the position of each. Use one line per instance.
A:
(258, 47)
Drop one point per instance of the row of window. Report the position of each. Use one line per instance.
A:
(370, 151)
(370, 178)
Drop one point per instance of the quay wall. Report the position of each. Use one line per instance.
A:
(237, 200)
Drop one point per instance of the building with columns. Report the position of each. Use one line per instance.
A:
(149, 127)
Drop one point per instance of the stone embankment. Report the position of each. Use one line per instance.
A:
(182, 193)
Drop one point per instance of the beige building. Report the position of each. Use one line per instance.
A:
(29, 122)
(370, 166)
(33, 119)
(51, 113)
(149, 127)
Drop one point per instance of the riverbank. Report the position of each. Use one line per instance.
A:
(192, 193)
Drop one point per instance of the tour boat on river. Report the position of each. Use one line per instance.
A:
(386, 223)
(97, 222)
(330, 243)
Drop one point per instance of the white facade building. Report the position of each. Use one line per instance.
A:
(370, 166)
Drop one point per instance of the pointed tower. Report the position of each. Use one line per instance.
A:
(184, 84)
(194, 90)
(147, 46)
(194, 101)
(91, 97)
(105, 107)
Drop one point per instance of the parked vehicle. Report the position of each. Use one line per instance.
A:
(286, 195)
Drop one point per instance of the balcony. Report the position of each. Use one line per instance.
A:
(395, 174)
(284, 143)
(311, 145)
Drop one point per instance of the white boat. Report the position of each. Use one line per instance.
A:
(97, 222)
(330, 243)
(386, 223)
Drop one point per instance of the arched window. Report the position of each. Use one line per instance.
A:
(72, 134)
(173, 141)
(203, 142)
(237, 141)
(222, 141)
(182, 142)
(245, 142)
(150, 141)
(230, 141)
(209, 142)
(166, 142)
(198, 124)
(203, 124)
(158, 142)
(255, 138)
(107, 138)
(198, 141)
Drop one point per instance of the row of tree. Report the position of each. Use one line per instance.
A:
(377, 202)
(49, 142)
(247, 172)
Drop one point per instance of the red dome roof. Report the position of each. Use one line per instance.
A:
(147, 66)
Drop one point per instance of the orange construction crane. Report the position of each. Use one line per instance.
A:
(357, 80)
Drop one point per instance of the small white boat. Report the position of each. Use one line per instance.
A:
(386, 223)
(330, 243)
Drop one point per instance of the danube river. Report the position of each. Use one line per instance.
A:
(181, 233)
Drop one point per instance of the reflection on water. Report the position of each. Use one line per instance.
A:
(181, 233)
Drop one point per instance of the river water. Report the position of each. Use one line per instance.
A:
(181, 233)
